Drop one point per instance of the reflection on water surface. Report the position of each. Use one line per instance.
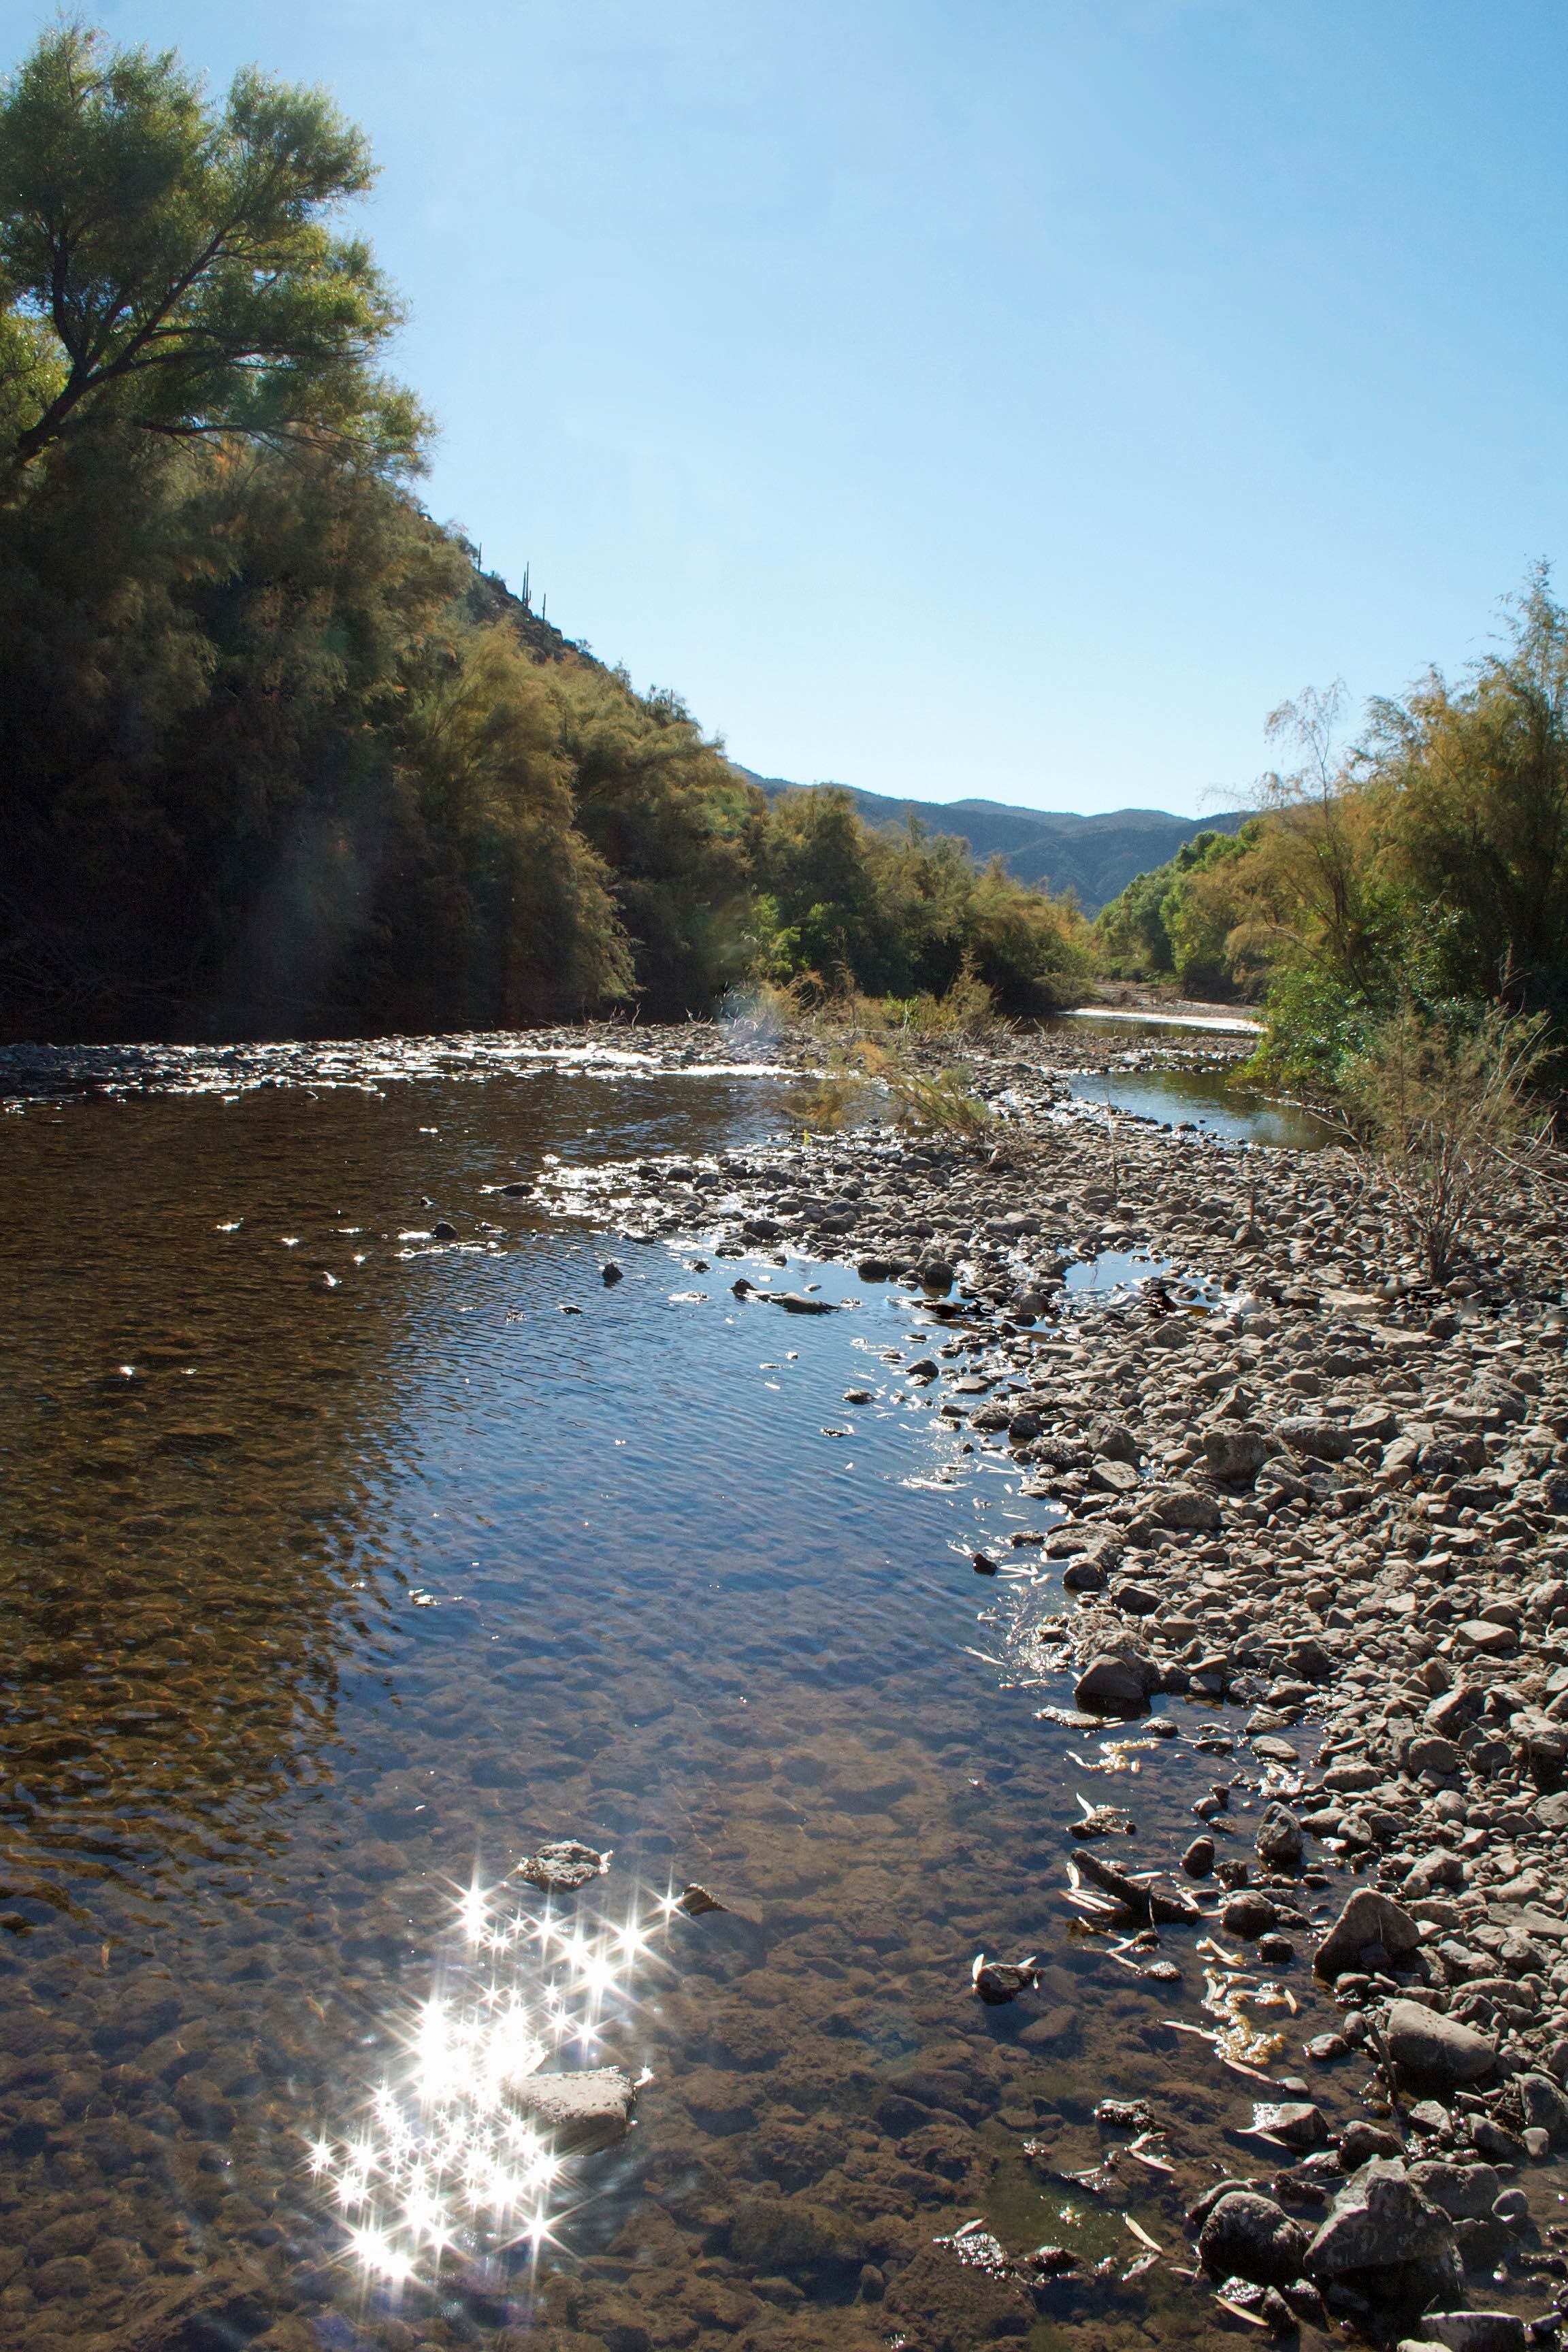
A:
(343, 1567)
(1206, 1100)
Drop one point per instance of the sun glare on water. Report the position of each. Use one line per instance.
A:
(447, 2160)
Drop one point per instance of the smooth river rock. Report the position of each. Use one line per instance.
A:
(1434, 2052)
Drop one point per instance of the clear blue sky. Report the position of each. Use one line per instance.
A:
(973, 396)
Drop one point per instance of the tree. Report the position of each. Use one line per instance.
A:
(164, 262)
(1470, 784)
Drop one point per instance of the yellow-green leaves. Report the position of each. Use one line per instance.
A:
(168, 263)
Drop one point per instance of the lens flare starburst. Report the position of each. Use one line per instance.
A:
(446, 2162)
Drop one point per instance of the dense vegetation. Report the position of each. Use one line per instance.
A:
(276, 755)
(1422, 870)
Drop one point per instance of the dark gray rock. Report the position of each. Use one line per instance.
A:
(1465, 2192)
(1235, 1452)
(1493, 2139)
(1367, 1918)
(999, 1981)
(1545, 2106)
(1360, 2142)
(1137, 1600)
(1385, 2237)
(1279, 1837)
(1248, 1914)
(1475, 2331)
(1198, 1858)
(1117, 1686)
(1298, 2122)
(1433, 2052)
(1248, 2236)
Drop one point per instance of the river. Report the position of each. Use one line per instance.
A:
(343, 1567)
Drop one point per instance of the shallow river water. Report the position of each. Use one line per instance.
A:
(340, 1569)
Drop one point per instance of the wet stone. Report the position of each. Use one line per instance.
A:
(563, 1866)
(1251, 2237)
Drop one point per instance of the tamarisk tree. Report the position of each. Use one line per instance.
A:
(167, 263)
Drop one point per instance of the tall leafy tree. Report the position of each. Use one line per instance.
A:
(168, 262)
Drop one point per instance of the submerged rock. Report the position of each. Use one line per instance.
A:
(589, 2108)
(695, 1900)
(997, 1982)
(563, 1865)
(1151, 1898)
(1472, 2331)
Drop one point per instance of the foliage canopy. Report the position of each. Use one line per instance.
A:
(166, 263)
(1426, 866)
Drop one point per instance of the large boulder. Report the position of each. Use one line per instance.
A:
(1384, 2240)
(1433, 2052)
(1279, 1837)
(1367, 1918)
(1465, 2192)
(1184, 1508)
(1543, 2104)
(1475, 2331)
(1112, 1686)
(1235, 1452)
(1248, 2236)
(1322, 1441)
(1430, 1755)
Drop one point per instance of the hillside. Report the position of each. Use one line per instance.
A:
(1095, 856)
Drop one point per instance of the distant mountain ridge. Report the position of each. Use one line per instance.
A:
(1095, 856)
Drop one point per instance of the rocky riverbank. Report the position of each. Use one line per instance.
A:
(746, 1044)
(1287, 1477)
